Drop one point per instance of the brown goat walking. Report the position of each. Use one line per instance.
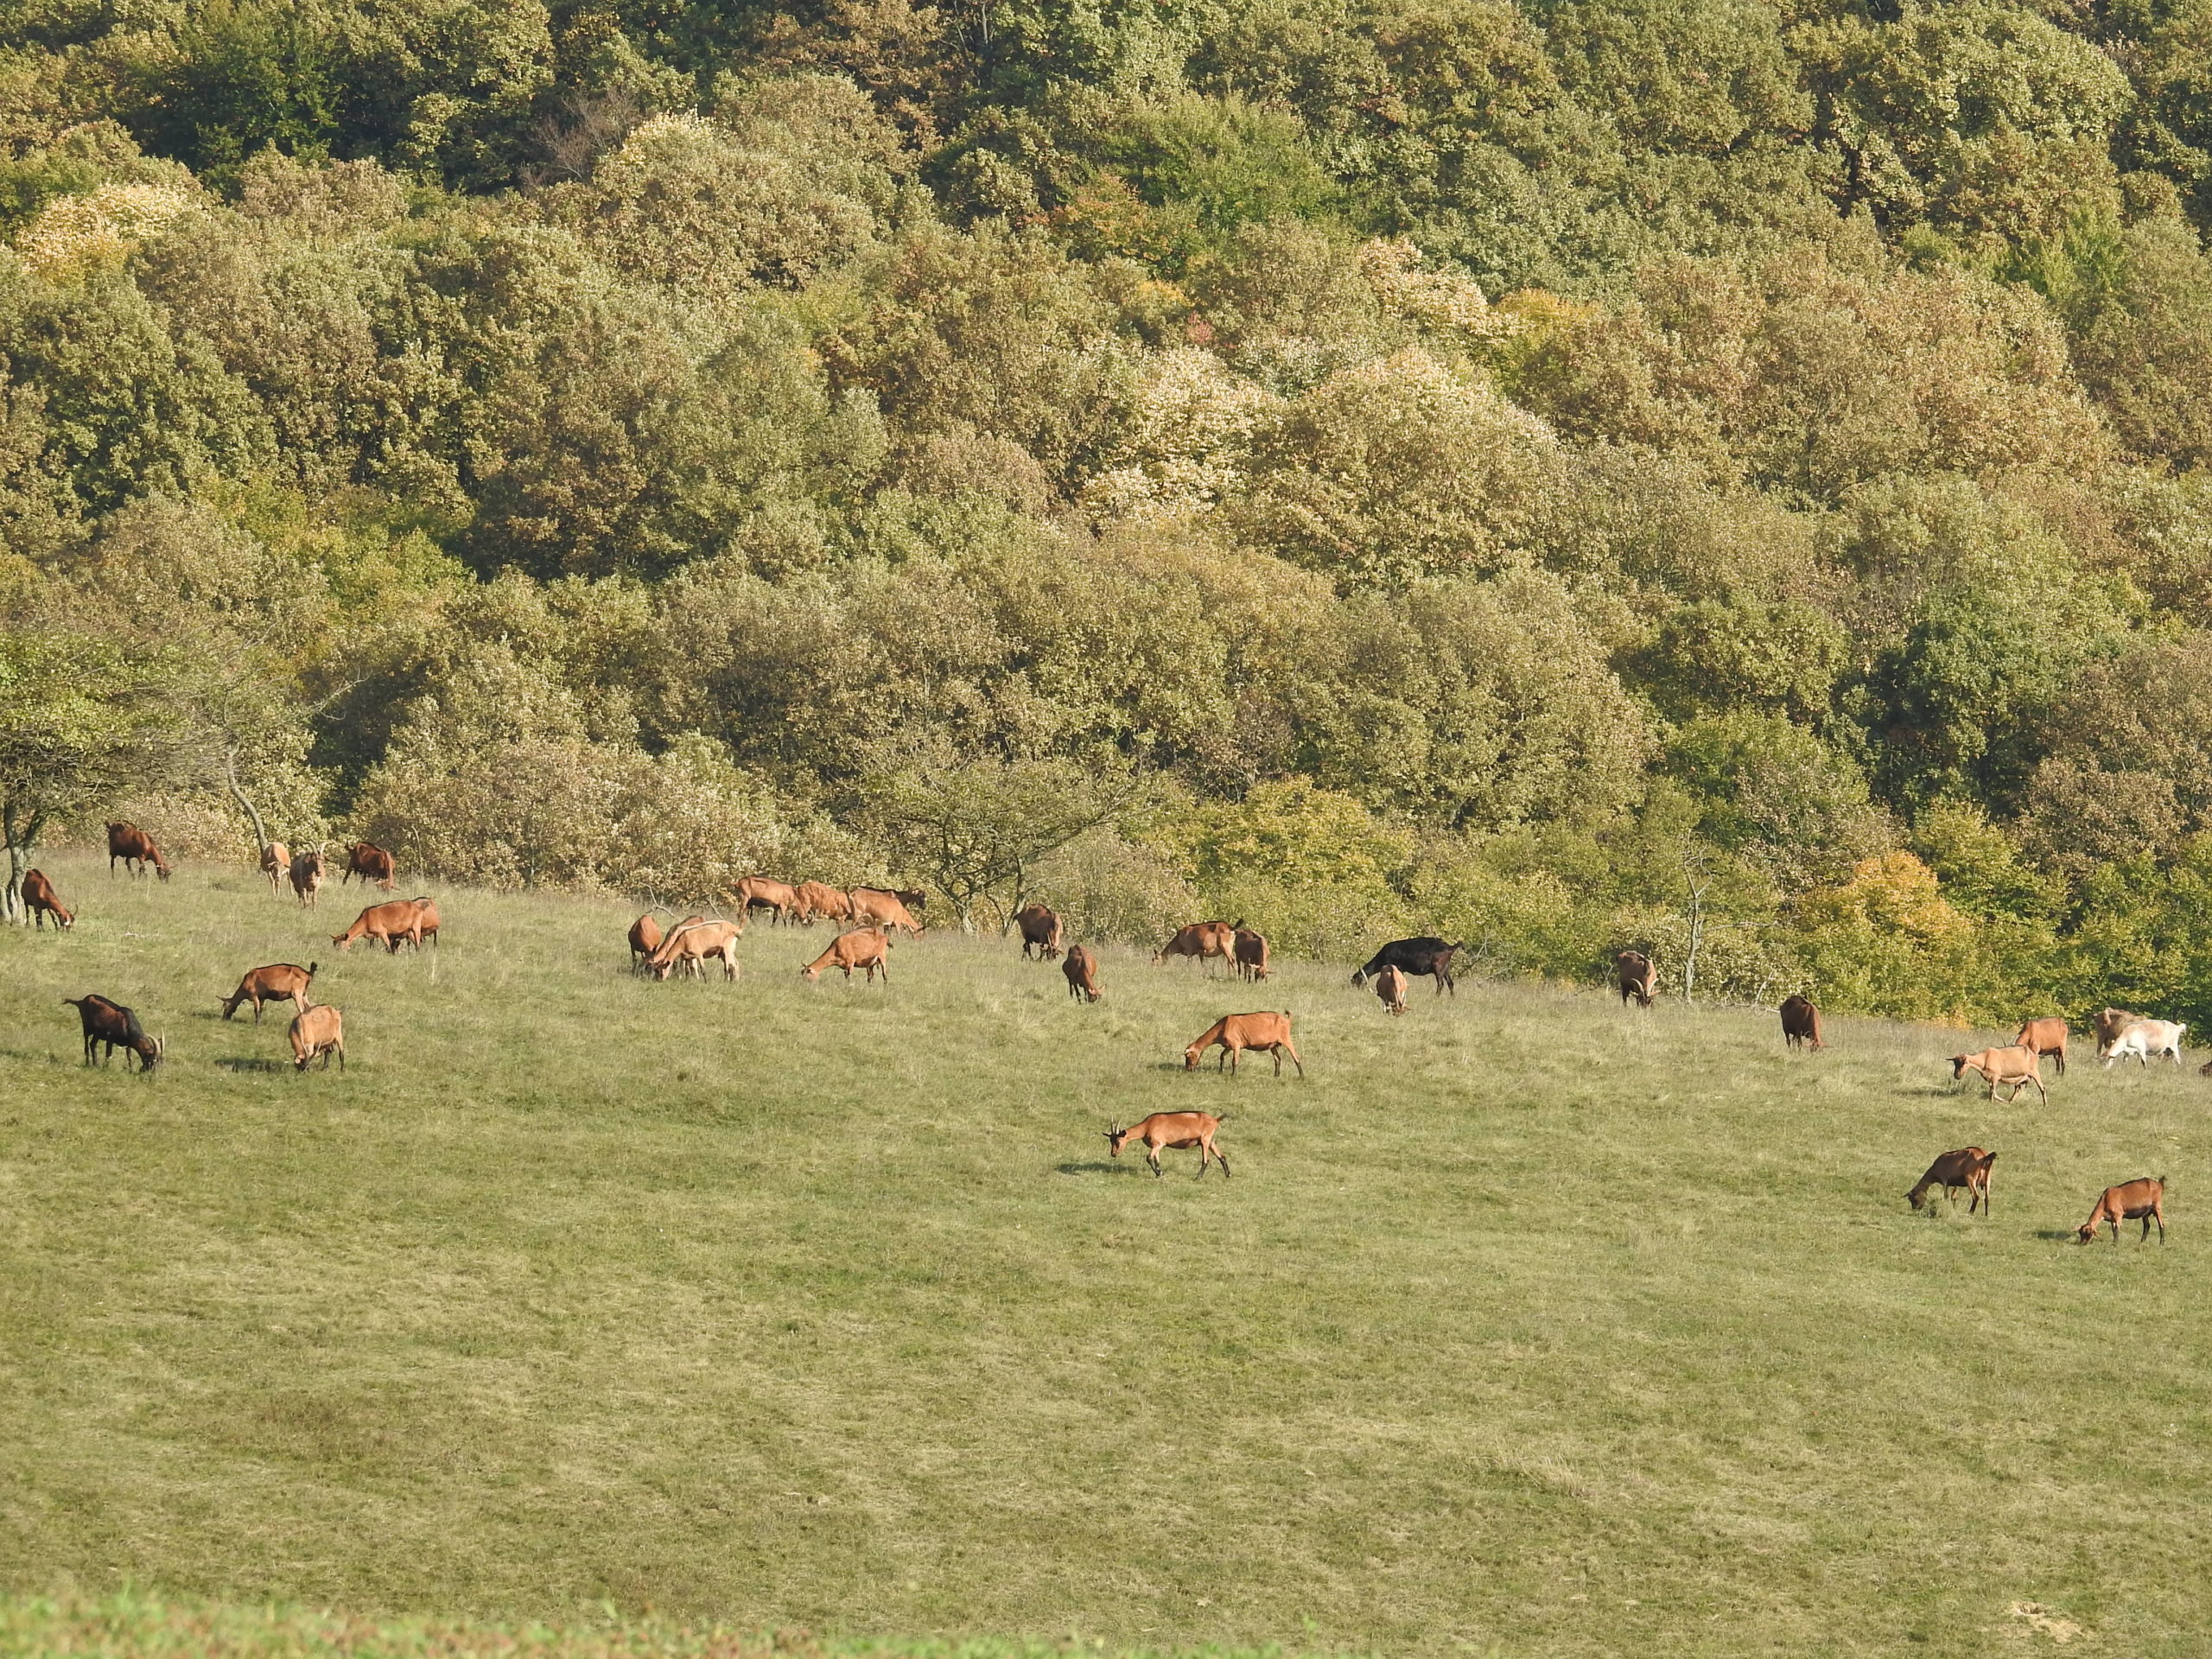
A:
(779, 899)
(277, 865)
(1800, 1024)
(2001, 1065)
(1639, 976)
(1390, 987)
(1178, 1132)
(1081, 971)
(1265, 1032)
(306, 876)
(820, 898)
(2042, 1037)
(318, 1031)
(371, 862)
(1968, 1167)
(277, 983)
(2143, 1199)
(40, 901)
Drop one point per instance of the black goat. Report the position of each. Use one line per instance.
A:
(116, 1026)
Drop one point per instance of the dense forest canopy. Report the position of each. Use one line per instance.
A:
(1565, 474)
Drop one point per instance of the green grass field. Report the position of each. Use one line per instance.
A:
(1527, 1324)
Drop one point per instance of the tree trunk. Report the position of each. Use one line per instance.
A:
(230, 777)
(20, 831)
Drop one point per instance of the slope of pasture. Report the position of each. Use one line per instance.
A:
(1526, 1322)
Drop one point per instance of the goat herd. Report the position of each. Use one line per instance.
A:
(871, 918)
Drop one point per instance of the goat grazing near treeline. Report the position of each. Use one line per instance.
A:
(1177, 1131)
(1967, 1167)
(318, 1031)
(645, 935)
(1248, 950)
(1639, 976)
(779, 899)
(395, 923)
(40, 901)
(820, 898)
(1415, 957)
(134, 846)
(1201, 942)
(1800, 1024)
(118, 1027)
(2002, 1066)
(371, 862)
(1040, 926)
(692, 945)
(866, 948)
(1081, 971)
(2044, 1036)
(277, 983)
(1265, 1032)
(880, 907)
(2143, 1199)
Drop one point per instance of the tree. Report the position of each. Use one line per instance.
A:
(79, 722)
(976, 829)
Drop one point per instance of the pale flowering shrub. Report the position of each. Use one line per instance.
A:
(1188, 435)
(74, 234)
(1447, 301)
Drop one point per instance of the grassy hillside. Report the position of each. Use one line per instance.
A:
(1526, 1322)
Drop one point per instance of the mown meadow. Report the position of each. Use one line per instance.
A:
(1527, 1324)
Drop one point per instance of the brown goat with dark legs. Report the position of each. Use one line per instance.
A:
(306, 877)
(277, 983)
(40, 901)
(1201, 942)
(1081, 971)
(1040, 929)
(2143, 1199)
(134, 846)
(318, 1031)
(371, 862)
(110, 1023)
(1968, 1167)
(2042, 1037)
(1800, 1024)
(397, 922)
(868, 948)
(1639, 976)
(1265, 1032)
(1177, 1131)
(2002, 1066)
(1249, 952)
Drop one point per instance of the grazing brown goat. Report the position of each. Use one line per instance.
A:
(1081, 971)
(1199, 941)
(134, 846)
(2110, 1023)
(1177, 1131)
(2001, 1065)
(276, 864)
(427, 923)
(880, 907)
(645, 935)
(1265, 1033)
(820, 898)
(307, 878)
(398, 921)
(1968, 1167)
(1249, 953)
(2143, 1199)
(1639, 976)
(318, 1031)
(275, 984)
(1039, 926)
(2042, 1037)
(116, 1026)
(371, 862)
(1800, 1024)
(779, 899)
(868, 948)
(40, 901)
(1390, 987)
(692, 945)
